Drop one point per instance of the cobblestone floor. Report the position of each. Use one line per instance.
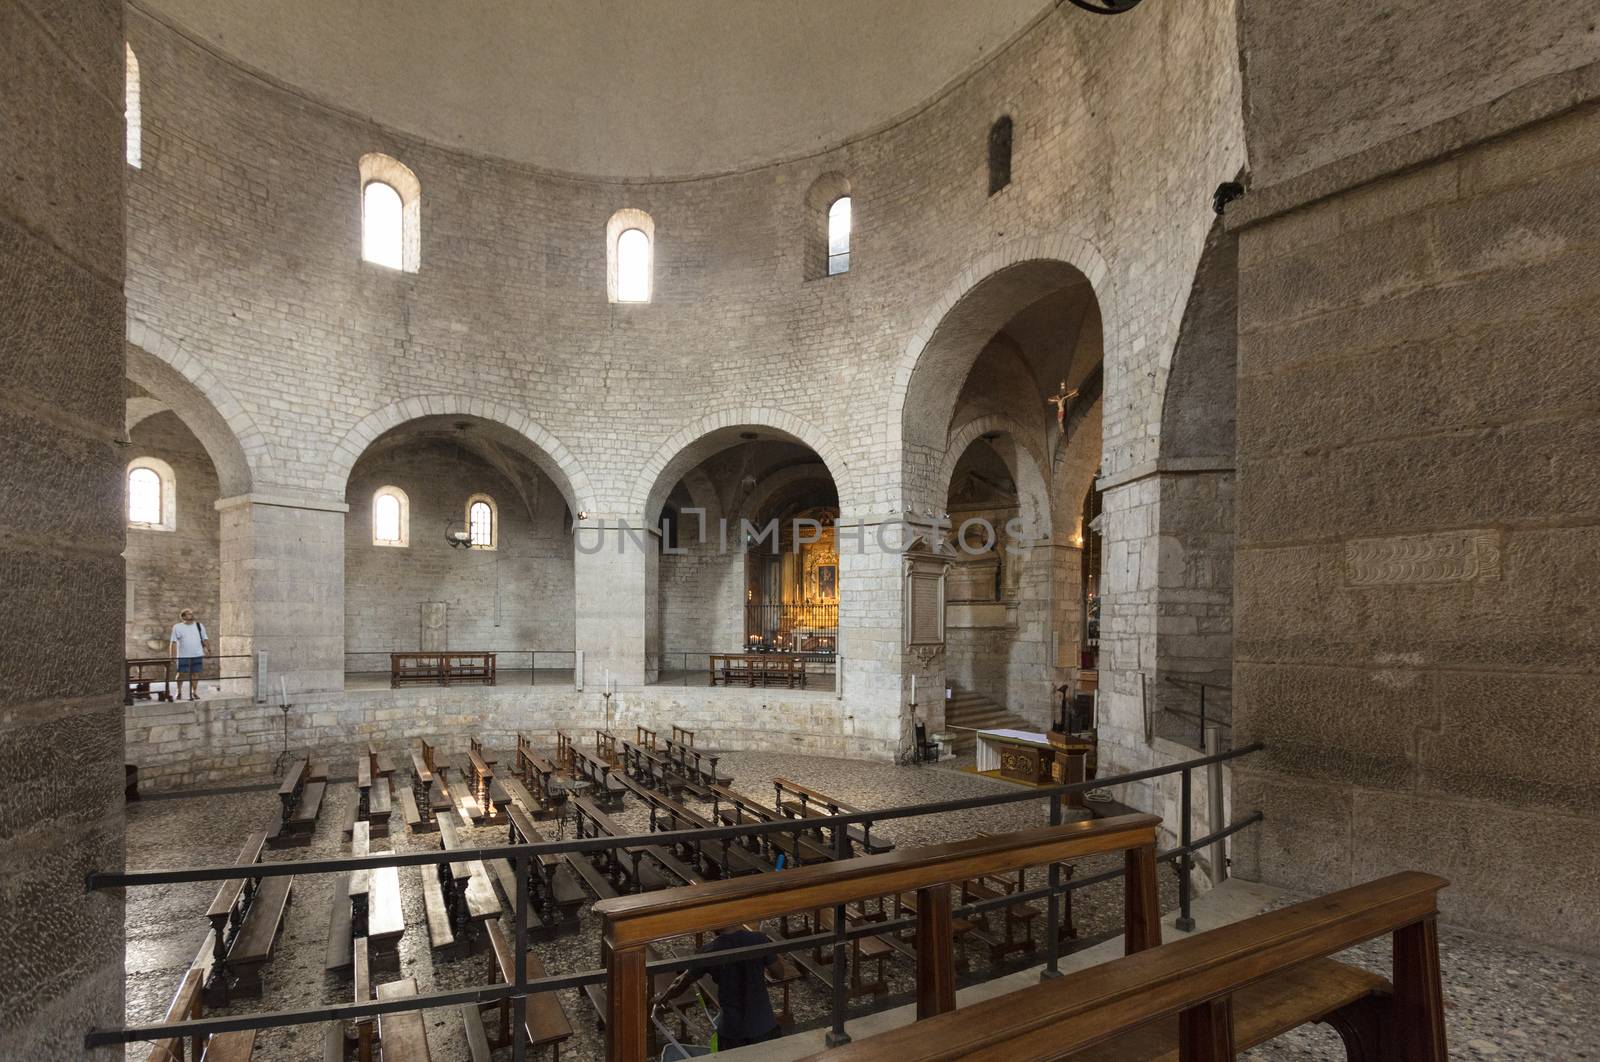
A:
(1505, 1001)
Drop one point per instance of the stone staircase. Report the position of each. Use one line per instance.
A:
(968, 708)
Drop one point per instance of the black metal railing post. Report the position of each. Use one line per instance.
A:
(1185, 861)
(1202, 715)
(519, 1005)
(1052, 908)
(836, 1035)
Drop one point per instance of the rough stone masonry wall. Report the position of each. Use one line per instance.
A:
(169, 571)
(244, 269)
(61, 524)
(228, 741)
(1419, 515)
(515, 597)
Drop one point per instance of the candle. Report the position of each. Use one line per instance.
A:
(913, 689)
(283, 691)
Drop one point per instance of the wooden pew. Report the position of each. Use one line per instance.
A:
(698, 766)
(808, 803)
(632, 923)
(644, 738)
(357, 1040)
(421, 789)
(629, 867)
(301, 799)
(1216, 993)
(386, 919)
(547, 1024)
(382, 762)
(404, 1035)
(226, 915)
(605, 746)
(186, 1005)
(474, 901)
(536, 771)
(607, 789)
(254, 934)
(553, 893)
(480, 768)
(563, 752)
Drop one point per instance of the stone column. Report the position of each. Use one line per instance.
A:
(283, 588)
(61, 527)
(617, 618)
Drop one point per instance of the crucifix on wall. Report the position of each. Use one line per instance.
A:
(1062, 400)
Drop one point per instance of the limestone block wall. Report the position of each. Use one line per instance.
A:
(1419, 517)
(168, 571)
(244, 273)
(518, 596)
(702, 599)
(228, 741)
(61, 524)
(1194, 603)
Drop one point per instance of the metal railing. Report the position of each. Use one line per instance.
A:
(1203, 721)
(143, 671)
(522, 855)
(798, 627)
(513, 667)
(693, 667)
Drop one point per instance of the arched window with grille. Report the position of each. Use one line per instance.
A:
(391, 213)
(483, 522)
(839, 236)
(1000, 153)
(152, 495)
(391, 517)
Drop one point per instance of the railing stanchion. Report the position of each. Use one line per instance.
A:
(519, 1005)
(1185, 922)
(836, 1036)
(1052, 907)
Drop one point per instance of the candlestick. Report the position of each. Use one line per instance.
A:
(913, 689)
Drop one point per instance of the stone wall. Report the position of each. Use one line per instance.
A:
(517, 596)
(169, 571)
(61, 524)
(235, 740)
(244, 274)
(1419, 515)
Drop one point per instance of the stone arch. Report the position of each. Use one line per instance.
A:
(695, 442)
(549, 453)
(942, 349)
(237, 448)
(1028, 466)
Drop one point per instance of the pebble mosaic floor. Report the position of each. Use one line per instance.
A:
(1505, 1001)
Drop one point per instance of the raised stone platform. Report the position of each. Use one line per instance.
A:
(233, 740)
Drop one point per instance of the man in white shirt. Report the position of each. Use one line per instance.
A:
(189, 647)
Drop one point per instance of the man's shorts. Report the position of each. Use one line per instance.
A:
(190, 664)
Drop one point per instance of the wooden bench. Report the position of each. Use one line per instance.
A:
(300, 800)
(186, 1005)
(633, 923)
(644, 737)
(441, 669)
(253, 944)
(751, 669)
(475, 900)
(607, 790)
(386, 919)
(380, 808)
(142, 675)
(441, 936)
(697, 765)
(480, 768)
(546, 1024)
(226, 915)
(552, 891)
(1216, 993)
(605, 746)
(404, 1035)
(536, 771)
(382, 762)
(563, 752)
(421, 787)
(808, 803)
(341, 1044)
(338, 957)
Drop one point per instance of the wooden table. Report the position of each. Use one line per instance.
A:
(142, 676)
(1020, 755)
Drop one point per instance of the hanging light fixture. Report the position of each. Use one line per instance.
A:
(457, 538)
(1105, 7)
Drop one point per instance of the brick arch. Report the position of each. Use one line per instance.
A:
(942, 349)
(695, 442)
(236, 446)
(549, 453)
(1028, 471)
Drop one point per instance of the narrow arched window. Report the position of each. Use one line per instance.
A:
(391, 213)
(483, 531)
(152, 495)
(382, 225)
(630, 253)
(144, 497)
(1000, 153)
(391, 517)
(633, 266)
(839, 236)
(130, 105)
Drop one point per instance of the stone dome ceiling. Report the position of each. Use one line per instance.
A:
(615, 87)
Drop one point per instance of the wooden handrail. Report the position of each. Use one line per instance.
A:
(1194, 978)
(632, 923)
